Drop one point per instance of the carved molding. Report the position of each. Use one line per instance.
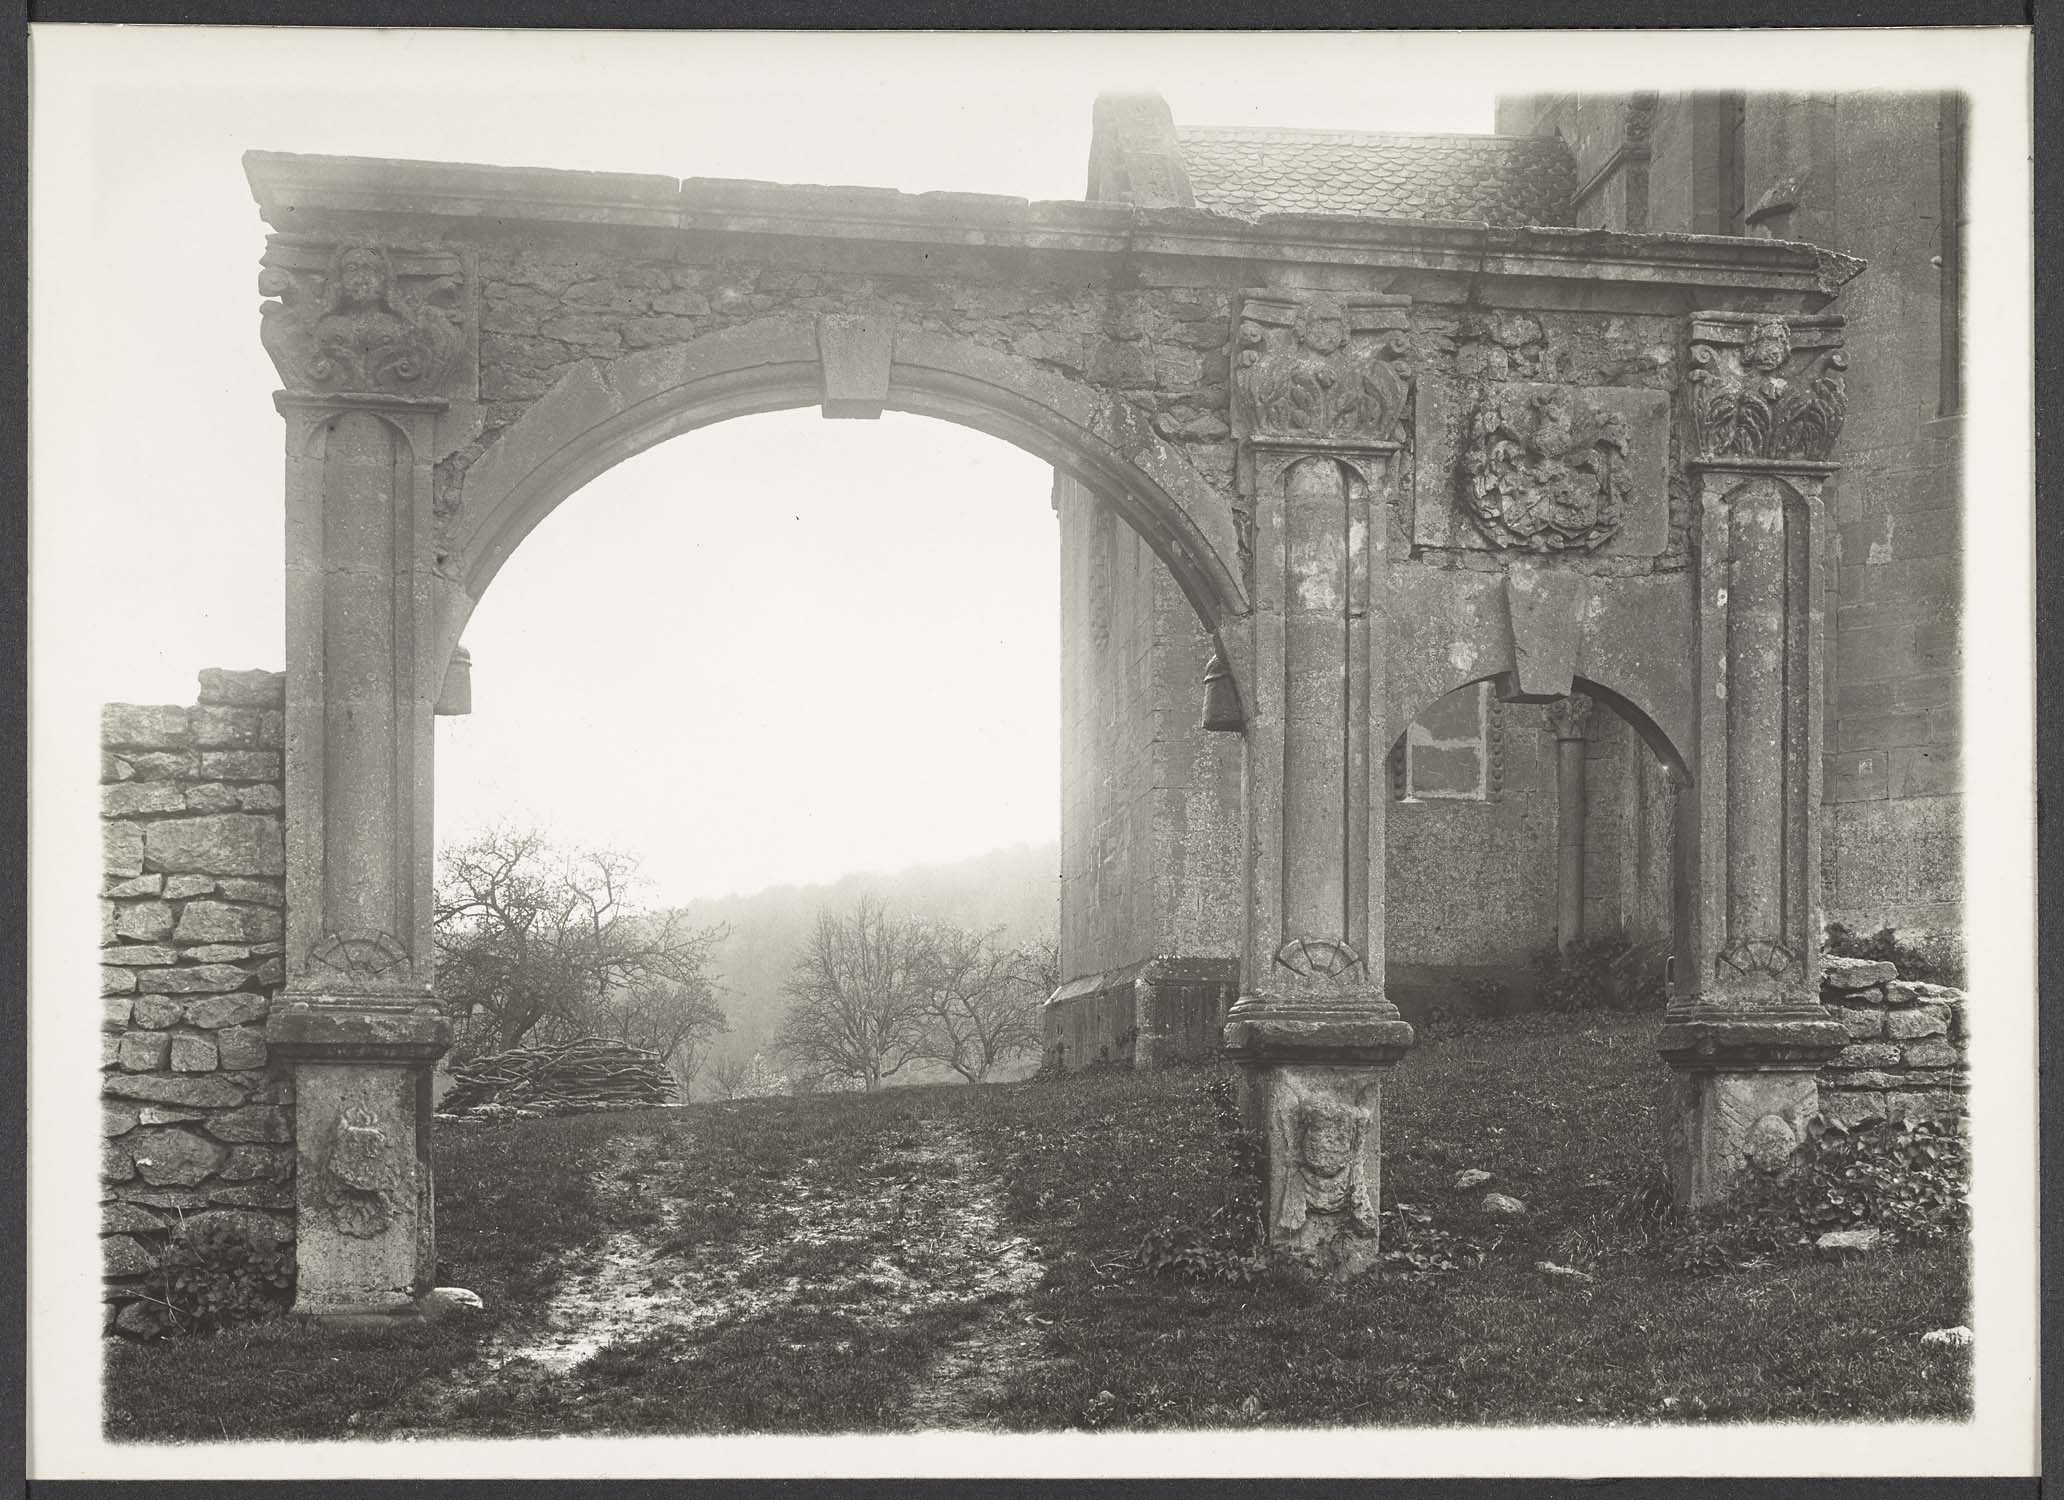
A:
(362, 317)
(1765, 388)
(364, 955)
(1319, 955)
(1322, 370)
(1545, 469)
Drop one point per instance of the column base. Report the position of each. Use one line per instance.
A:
(1315, 1095)
(1746, 1086)
(364, 1202)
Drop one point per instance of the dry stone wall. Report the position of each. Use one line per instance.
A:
(1906, 1051)
(196, 1121)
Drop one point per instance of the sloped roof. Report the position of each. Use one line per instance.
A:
(1495, 179)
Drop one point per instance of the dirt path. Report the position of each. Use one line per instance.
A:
(930, 1221)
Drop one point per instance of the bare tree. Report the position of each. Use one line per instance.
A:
(742, 1077)
(531, 937)
(978, 1008)
(855, 1000)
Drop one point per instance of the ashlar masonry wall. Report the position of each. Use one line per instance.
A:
(196, 1121)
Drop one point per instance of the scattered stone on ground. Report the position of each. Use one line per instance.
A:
(1849, 1241)
(1958, 1337)
(1471, 1177)
(1503, 1206)
(1553, 1269)
(449, 1301)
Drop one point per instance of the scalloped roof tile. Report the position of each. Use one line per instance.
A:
(1494, 179)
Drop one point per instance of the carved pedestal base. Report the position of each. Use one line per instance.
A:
(365, 1244)
(1722, 1122)
(1746, 1085)
(1315, 1096)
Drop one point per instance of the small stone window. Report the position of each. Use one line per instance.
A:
(1451, 751)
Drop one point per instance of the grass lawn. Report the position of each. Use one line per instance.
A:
(827, 1263)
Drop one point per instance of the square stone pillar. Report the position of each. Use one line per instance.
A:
(1321, 390)
(373, 342)
(1745, 1029)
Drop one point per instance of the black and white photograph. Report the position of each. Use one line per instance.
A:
(1031, 753)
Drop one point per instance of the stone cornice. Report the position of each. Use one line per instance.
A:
(310, 193)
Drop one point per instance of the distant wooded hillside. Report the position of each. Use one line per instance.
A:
(1015, 889)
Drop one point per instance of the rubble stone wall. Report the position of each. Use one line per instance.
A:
(195, 1119)
(1906, 1052)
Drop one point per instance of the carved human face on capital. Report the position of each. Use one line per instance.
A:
(360, 277)
(1324, 330)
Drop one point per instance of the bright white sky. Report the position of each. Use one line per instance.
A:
(770, 651)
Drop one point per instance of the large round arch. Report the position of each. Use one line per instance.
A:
(603, 412)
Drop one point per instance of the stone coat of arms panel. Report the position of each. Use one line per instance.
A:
(1542, 468)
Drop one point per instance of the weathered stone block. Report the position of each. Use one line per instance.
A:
(1875, 1079)
(117, 1119)
(260, 892)
(193, 1054)
(258, 1164)
(159, 1114)
(240, 765)
(144, 1051)
(118, 1217)
(1934, 1052)
(253, 1195)
(115, 1010)
(210, 797)
(1865, 1055)
(180, 1198)
(110, 1052)
(221, 844)
(139, 956)
(226, 1010)
(200, 1090)
(220, 726)
(257, 1122)
(200, 978)
(218, 953)
(173, 1156)
(148, 726)
(1931, 1019)
(122, 1256)
(1855, 776)
(116, 1165)
(251, 689)
(259, 798)
(1852, 1108)
(241, 1047)
(225, 922)
(114, 768)
(179, 887)
(116, 981)
(1863, 1023)
(160, 765)
(121, 849)
(136, 885)
(1921, 1104)
(1923, 771)
(147, 921)
(156, 1012)
(133, 797)
(1847, 974)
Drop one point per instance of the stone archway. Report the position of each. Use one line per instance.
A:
(1346, 484)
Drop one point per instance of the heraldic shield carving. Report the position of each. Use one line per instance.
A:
(1545, 470)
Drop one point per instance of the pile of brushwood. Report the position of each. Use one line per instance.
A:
(562, 1078)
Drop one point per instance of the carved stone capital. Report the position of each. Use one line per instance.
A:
(357, 316)
(1764, 388)
(1322, 371)
(1569, 717)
